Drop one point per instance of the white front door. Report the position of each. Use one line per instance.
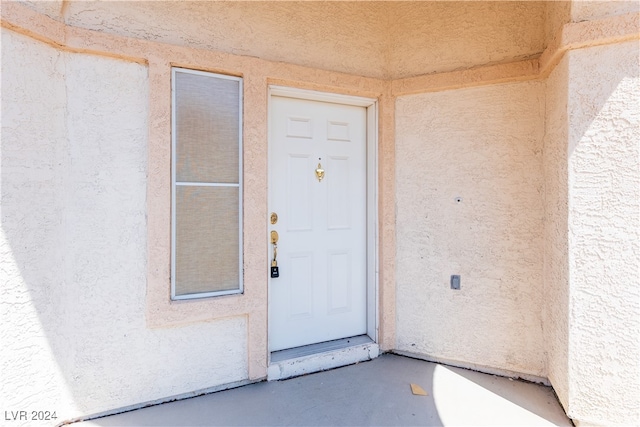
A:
(321, 293)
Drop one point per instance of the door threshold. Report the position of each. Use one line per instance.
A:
(311, 358)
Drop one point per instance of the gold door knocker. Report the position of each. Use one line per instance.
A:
(319, 172)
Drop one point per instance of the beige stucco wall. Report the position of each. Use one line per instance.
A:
(556, 270)
(42, 249)
(74, 167)
(592, 10)
(52, 8)
(604, 234)
(376, 39)
(234, 326)
(557, 13)
(340, 36)
(485, 146)
(592, 214)
(428, 37)
(33, 131)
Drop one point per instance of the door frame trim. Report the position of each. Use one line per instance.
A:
(371, 105)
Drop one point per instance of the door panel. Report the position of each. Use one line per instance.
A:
(321, 292)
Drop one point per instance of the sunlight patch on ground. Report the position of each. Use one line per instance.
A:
(461, 401)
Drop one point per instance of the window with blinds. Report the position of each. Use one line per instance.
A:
(206, 171)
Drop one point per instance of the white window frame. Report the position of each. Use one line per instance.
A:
(174, 185)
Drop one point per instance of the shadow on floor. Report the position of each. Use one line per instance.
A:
(374, 393)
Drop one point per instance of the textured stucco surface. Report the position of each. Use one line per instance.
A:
(483, 145)
(44, 197)
(343, 36)
(377, 39)
(591, 10)
(604, 234)
(592, 227)
(31, 198)
(52, 8)
(557, 13)
(556, 269)
(74, 150)
(428, 37)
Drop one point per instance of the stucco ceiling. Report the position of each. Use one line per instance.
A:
(376, 39)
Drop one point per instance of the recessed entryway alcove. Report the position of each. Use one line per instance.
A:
(507, 106)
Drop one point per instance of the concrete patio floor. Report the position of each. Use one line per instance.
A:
(374, 393)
